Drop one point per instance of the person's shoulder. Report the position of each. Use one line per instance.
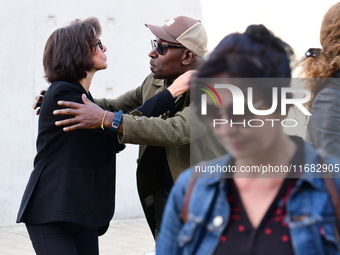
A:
(330, 87)
(328, 95)
(62, 84)
(59, 86)
(329, 91)
(64, 90)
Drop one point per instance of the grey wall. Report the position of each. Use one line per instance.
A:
(24, 28)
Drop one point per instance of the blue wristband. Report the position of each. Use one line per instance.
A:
(117, 120)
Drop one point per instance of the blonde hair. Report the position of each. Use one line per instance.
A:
(327, 61)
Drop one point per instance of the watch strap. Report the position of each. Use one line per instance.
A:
(117, 120)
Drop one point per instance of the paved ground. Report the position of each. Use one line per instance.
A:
(124, 237)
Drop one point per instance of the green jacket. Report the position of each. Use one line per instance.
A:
(174, 133)
(182, 135)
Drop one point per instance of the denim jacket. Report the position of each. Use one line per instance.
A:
(310, 215)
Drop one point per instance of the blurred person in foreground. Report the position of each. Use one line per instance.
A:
(70, 196)
(240, 212)
(321, 70)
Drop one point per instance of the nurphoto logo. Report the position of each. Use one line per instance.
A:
(238, 104)
(204, 96)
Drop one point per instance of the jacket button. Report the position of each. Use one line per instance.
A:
(218, 221)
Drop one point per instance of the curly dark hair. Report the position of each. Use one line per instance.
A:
(68, 51)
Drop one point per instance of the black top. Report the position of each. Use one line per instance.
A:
(74, 172)
(272, 234)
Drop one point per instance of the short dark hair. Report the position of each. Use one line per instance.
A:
(68, 51)
(256, 53)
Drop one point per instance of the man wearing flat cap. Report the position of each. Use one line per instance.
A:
(156, 115)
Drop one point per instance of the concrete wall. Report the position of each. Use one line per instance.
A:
(24, 28)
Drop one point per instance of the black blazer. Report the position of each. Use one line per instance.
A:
(74, 172)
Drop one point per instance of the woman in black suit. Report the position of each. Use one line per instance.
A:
(69, 199)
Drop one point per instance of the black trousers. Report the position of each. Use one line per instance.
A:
(161, 197)
(62, 238)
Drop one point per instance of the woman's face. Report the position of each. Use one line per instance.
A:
(237, 132)
(99, 57)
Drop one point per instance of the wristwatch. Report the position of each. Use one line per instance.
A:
(117, 120)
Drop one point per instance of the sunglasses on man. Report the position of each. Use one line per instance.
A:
(161, 47)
